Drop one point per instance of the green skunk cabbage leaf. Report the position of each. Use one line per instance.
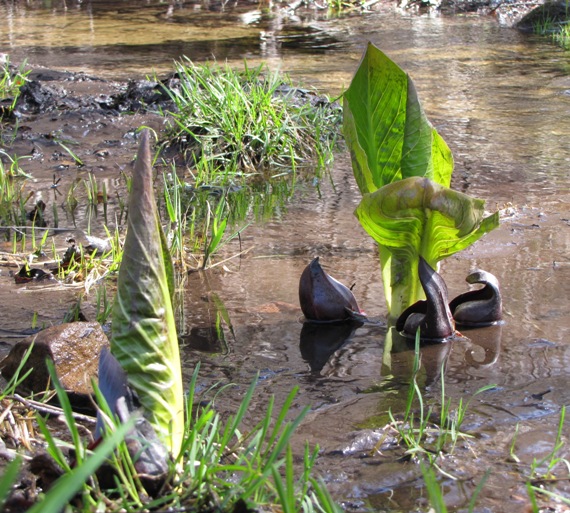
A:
(386, 129)
(144, 339)
(414, 217)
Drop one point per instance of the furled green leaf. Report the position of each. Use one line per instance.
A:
(414, 217)
(386, 129)
(144, 339)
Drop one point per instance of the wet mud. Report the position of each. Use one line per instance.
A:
(501, 101)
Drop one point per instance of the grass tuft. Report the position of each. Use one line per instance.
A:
(554, 23)
(419, 432)
(233, 124)
(227, 467)
(11, 81)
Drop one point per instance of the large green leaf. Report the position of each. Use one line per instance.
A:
(386, 129)
(144, 339)
(414, 217)
(403, 168)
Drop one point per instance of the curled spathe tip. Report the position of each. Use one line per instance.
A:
(481, 307)
(436, 318)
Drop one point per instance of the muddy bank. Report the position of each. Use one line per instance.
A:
(500, 99)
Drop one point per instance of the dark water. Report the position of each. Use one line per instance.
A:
(502, 102)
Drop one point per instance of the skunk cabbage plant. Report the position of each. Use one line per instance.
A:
(144, 339)
(324, 299)
(403, 168)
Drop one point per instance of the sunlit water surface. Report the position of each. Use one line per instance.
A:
(502, 102)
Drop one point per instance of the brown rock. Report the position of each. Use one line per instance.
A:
(73, 347)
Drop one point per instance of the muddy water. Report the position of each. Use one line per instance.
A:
(501, 100)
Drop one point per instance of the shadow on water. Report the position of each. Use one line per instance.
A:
(501, 101)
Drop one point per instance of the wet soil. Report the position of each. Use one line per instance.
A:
(501, 100)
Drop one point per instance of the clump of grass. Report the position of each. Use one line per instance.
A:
(91, 266)
(11, 82)
(225, 469)
(559, 31)
(547, 470)
(201, 220)
(245, 123)
(12, 193)
(554, 21)
(562, 36)
(420, 431)
(435, 494)
(337, 6)
(16, 424)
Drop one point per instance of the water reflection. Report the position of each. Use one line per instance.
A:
(319, 341)
(472, 349)
(501, 101)
(203, 323)
(489, 340)
(97, 36)
(326, 348)
(399, 360)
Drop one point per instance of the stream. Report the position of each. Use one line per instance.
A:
(500, 99)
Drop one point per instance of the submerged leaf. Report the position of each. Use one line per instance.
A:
(144, 337)
(386, 129)
(414, 217)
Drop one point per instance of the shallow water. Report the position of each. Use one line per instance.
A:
(500, 99)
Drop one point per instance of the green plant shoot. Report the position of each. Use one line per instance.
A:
(403, 168)
(144, 339)
(387, 131)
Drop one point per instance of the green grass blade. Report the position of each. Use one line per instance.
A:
(69, 484)
(65, 405)
(433, 489)
(8, 479)
(478, 489)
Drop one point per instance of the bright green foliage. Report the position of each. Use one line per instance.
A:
(254, 466)
(74, 479)
(13, 194)
(416, 217)
(403, 168)
(144, 339)
(551, 20)
(229, 469)
(11, 82)
(387, 131)
(252, 121)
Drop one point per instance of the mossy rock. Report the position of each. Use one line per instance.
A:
(552, 12)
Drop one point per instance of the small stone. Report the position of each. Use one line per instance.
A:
(73, 347)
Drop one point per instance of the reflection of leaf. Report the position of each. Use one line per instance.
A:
(219, 223)
(387, 131)
(416, 217)
(222, 312)
(144, 337)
